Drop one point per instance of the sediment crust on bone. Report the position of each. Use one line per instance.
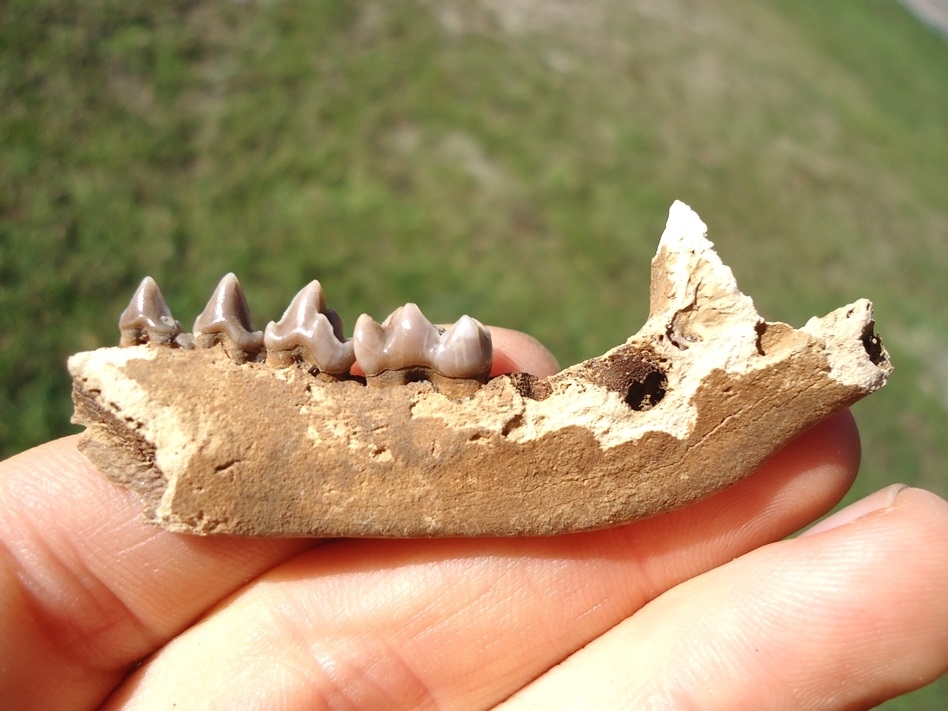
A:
(692, 403)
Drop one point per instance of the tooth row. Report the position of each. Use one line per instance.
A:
(407, 339)
(312, 334)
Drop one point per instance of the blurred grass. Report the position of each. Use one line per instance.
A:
(512, 160)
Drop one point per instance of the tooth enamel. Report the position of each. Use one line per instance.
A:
(226, 320)
(465, 350)
(147, 318)
(309, 332)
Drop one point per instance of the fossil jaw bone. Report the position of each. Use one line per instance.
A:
(309, 333)
(695, 401)
(226, 320)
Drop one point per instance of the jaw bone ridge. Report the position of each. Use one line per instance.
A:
(311, 333)
(226, 320)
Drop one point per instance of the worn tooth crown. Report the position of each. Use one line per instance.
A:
(226, 320)
(311, 333)
(465, 350)
(407, 339)
(147, 318)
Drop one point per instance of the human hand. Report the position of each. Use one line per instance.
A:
(707, 607)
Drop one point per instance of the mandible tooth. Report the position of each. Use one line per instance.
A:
(403, 340)
(309, 332)
(465, 350)
(147, 318)
(226, 320)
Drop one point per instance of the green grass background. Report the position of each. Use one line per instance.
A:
(514, 160)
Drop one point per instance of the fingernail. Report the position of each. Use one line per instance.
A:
(882, 499)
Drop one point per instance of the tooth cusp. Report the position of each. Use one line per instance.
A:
(226, 320)
(465, 350)
(309, 333)
(147, 318)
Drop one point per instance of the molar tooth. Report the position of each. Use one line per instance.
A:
(406, 346)
(226, 320)
(403, 340)
(147, 318)
(309, 332)
(465, 351)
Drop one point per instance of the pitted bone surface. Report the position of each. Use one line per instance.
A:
(692, 403)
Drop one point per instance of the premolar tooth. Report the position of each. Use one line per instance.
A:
(226, 320)
(405, 339)
(309, 332)
(147, 318)
(465, 351)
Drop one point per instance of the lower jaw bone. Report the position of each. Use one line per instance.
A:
(692, 403)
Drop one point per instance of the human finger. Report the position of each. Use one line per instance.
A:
(515, 351)
(844, 618)
(89, 589)
(465, 623)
